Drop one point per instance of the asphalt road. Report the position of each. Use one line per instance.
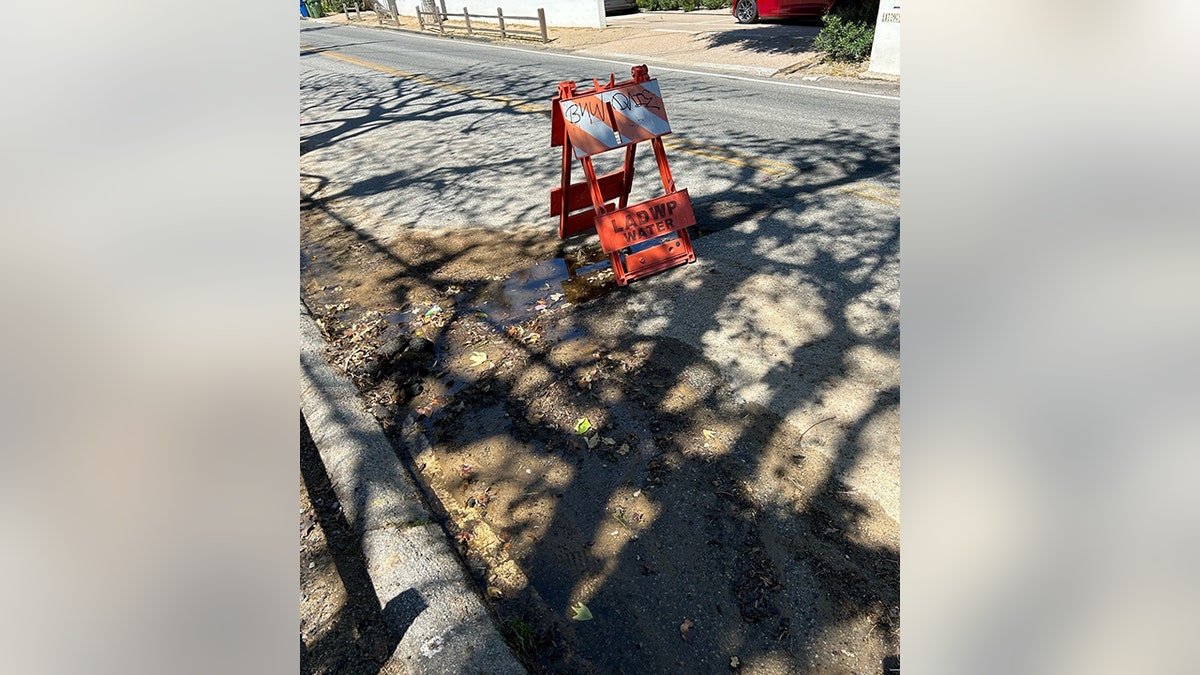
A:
(794, 297)
(752, 138)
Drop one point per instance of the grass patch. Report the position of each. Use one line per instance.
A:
(519, 636)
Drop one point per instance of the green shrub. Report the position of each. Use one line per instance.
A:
(858, 11)
(849, 30)
(685, 5)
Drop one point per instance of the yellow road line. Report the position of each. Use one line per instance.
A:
(524, 106)
(695, 148)
(879, 194)
(728, 156)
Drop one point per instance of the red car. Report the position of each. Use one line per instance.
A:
(749, 11)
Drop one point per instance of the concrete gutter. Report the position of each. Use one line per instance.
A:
(426, 596)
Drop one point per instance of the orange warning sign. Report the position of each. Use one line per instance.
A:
(606, 117)
(643, 222)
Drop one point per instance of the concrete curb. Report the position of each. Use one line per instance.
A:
(426, 596)
(879, 77)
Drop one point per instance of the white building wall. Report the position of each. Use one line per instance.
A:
(885, 49)
(584, 13)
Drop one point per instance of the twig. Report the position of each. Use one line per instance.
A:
(800, 442)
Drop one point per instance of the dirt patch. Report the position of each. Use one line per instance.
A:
(814, 63)
(572, 463)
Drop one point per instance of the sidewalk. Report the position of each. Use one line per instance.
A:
(703, 39)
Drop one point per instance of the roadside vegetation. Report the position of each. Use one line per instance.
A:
(849, 30)
(685, 5)
(846, 36)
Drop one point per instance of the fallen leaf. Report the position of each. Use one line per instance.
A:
(734, 662)
(624, 449)
(619, 514)
(478, 358)
(685, 628)
(709, 434)
(582, 613)
(592, 442)
(582, 426)
(608, 441)
(648, 570)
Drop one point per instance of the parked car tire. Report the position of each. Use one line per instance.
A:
(746, 11)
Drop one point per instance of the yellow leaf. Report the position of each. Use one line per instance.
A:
(710, 434)
(581, 612)
(478, 358)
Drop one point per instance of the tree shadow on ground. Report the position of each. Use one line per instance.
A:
(751, 537)
(775, 38)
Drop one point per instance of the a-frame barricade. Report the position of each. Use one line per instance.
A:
(608, 116)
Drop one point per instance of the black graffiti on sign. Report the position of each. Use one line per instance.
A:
(640, 99)
(890, 17)
(586, 108)
(592, 108)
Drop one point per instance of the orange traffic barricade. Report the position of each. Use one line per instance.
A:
(608, 116)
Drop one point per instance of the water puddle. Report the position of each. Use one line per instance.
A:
(578, 277)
